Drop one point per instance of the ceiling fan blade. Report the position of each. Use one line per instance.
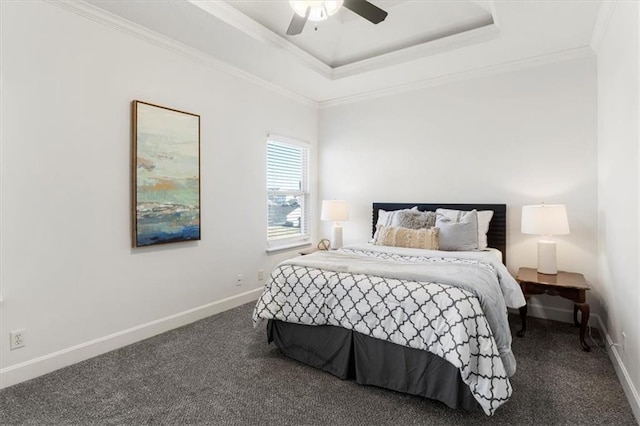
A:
(297, 23)
(367, 10)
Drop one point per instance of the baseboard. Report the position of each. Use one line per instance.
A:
(623, 375)
(46, 364)
(54, 361)
(566, 315)
(546, 312)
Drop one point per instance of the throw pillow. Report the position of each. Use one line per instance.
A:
(455, 216)
(404, 237)
(458, 236)
(415, 219)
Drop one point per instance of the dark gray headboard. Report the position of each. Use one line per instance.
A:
(496, 237)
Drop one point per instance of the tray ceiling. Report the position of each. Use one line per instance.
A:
(420, 41)
(347, 38)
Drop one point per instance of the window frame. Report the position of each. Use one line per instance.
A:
(304, 237)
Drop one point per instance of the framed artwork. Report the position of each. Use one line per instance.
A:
(165, 175)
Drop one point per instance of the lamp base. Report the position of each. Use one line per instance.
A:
(336, 237)
(547, 263)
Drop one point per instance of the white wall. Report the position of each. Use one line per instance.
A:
(520, 137)
(69, 275)
(618, 189)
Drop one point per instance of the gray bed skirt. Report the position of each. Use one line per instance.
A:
(350, 355)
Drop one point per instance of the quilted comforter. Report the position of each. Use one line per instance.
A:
(453, 305)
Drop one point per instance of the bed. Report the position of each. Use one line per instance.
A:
(426, 322)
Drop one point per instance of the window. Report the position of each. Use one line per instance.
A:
(287, 193)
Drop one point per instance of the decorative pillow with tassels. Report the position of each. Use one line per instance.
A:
(405, 237)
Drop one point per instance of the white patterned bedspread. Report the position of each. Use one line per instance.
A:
(408, 297)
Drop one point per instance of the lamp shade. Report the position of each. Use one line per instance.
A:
(335, 210)
(545, 219)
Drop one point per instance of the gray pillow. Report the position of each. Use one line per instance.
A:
(415, 219)
(454, 216)
(461, 236)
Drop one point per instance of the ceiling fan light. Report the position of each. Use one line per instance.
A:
(319, 9)
(333, 6)
(299, 6)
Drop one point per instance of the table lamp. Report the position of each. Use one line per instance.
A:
(336, 211)
(545, 220)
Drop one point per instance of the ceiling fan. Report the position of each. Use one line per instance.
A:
(314, 10)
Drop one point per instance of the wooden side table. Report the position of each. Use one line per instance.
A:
(569, 285)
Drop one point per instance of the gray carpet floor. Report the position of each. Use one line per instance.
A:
(221, 371)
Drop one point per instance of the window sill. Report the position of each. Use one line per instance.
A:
(289, 246)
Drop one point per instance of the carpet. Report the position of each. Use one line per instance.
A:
(221, 371)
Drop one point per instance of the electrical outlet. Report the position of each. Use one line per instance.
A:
(17, 339)
(239, 280)
(260, 274)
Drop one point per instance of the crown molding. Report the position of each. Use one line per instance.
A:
(602, 23)
(118, 23)
(448, 43)
(242, 22)
(566, 55)
(488, 6)
(103, 17)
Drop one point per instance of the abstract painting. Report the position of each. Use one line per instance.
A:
(165, 175)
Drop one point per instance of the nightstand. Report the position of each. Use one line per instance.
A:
(569, 285)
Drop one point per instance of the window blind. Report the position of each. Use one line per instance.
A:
(287, 192)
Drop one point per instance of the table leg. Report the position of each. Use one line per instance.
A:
(584, 320)
(523, 320)
(575, 315)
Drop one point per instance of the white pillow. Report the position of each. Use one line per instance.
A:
(455, 216)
